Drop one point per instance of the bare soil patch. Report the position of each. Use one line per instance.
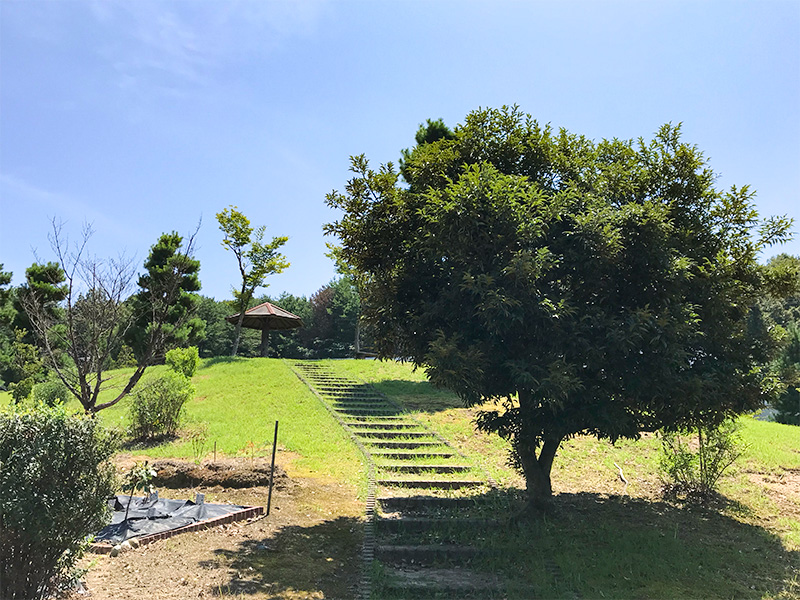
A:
(308, 547)
(228, 473)
(783, 488)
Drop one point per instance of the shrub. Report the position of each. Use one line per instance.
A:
(197, 435)
(692, 462)
(55, 480)
(787, 407)
(21, 390)
(183, 360)
(157, 406)
(51, 392)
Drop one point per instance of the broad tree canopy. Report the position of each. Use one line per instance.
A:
(600, 288)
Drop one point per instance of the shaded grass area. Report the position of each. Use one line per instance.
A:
(594, 546)
(621, 547)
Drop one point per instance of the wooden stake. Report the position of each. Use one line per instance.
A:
(272, 468)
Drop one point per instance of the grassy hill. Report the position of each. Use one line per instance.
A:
(596, 543)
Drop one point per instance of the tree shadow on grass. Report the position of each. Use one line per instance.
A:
(620, 547)
(321, 560)
(419, 396)
(588, 545)
(130, 445)
(207, 363)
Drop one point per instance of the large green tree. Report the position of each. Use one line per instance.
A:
(255, 259)
(583, 288)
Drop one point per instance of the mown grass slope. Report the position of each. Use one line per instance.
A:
(239, 400)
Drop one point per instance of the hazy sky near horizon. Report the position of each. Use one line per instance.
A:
(149, 116)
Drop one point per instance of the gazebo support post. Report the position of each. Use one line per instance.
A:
(264, 342)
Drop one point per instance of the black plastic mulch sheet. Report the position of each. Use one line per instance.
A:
(150, 515)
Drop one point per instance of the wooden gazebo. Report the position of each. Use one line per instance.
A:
(267, 317)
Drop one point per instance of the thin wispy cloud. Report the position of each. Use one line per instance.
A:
(167, 47)
(21, 196)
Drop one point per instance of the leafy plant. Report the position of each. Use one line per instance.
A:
(140, 477)
(249, 451)
(583, 287)
(198, 437)
(157, 407)
(51, 392)
(183, 360)
(26, 365)
(256, 259)
(692, 462)
(788, 403)
(55, 478)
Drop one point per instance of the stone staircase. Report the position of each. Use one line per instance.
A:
(421, 535)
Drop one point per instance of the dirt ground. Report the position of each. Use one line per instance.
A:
(308, 547)
(783, 489)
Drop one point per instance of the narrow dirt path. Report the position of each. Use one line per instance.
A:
(421, 530)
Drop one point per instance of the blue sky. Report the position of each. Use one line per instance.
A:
(145, 117)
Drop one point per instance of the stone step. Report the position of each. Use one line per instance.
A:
(395, 425)
(425, 504)
(424, 524)
(341, 406)
(419, 468)
(387, 419)
(345, 389)
(411, 455)
(427, 554)
(348, 394)
(355, 397)
(431, 484)
(391, 444)
(368, 411)
(437, 582)
(388, 435)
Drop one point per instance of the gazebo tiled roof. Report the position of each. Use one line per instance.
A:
(268, 316)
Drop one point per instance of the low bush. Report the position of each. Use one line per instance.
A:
(51, 392)
(55, 480)
(692, 462)
(157, 406)
(183, 360)
(21, 390)
(197, 435)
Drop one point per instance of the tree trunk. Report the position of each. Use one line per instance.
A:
(237, 333)
(536, 468)
(537, 472)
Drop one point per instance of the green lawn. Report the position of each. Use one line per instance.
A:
(240, 400)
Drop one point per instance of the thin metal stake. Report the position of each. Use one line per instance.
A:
(272, 468)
